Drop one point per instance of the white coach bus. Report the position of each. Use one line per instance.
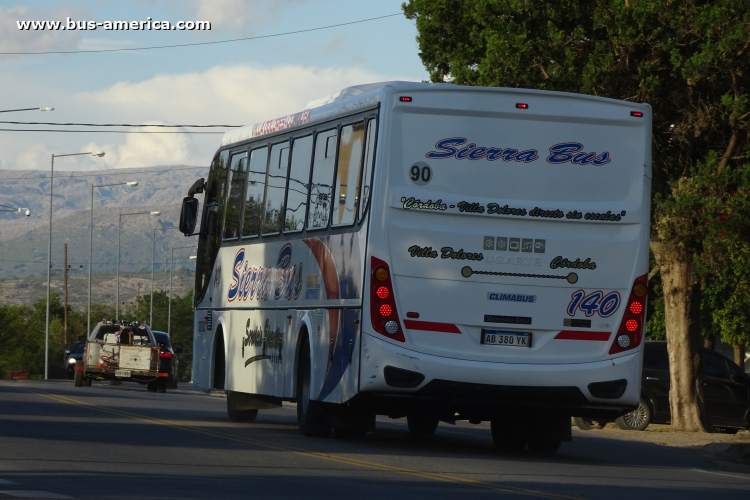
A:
(428, 251)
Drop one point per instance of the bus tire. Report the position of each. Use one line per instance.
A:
(507, 438)
(587, 425)
(78, 378)
(311, 418)
(422, 425)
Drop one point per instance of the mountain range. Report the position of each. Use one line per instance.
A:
(24, 240)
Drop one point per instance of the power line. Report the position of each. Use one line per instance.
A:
(105, 131)
(119, 125)
(201, 43)
(45, 176)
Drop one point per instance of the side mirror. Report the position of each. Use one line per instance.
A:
(67, 351)
(188, 216)
(178, 350)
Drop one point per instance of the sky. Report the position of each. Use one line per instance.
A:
(236, 83)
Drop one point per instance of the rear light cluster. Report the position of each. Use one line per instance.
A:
(630, 333)
(383, 313)
(165, 354)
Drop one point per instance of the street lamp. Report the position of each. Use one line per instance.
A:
(153, 252)
(169, 314)
(16, 211)
(49, 250)
(44, 108)
(91, 236)
(119, 227)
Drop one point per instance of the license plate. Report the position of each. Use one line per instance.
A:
(506, 338)
(122, 373)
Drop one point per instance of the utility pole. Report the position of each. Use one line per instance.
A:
(66, 269)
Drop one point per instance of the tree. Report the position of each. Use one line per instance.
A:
(687, 58)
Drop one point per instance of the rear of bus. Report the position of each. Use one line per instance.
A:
(507, 254)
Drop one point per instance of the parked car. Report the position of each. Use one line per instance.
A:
(73, 355)
(726, 392)
(164, 342)
(119, 351)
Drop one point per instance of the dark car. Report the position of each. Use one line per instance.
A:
(726, 392)
(73, 355)
(168, 353)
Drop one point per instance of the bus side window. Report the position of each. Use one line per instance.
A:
(347, 174)
(256, 184)
(213, 211)
(237, 171)
(299, 178)
(364, 199)
(278, 166)
(321, 187)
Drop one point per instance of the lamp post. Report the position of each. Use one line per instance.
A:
(119, 227)
(49, 250)
(43, 108)
(169, 314)
(153, 252)
(91, 237)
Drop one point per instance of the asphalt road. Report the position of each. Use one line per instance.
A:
(59, 441)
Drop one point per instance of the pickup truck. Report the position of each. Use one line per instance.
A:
(122, 351)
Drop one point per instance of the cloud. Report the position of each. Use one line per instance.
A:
(143, 150)
(34, 157)
(12, 39)
(239, 94)
(240, 16)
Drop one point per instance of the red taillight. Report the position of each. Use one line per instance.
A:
(630, 333)
(522, 105)
(383, 312)
(164, 374)
(404, 98)
(637, 114)
(165, 354)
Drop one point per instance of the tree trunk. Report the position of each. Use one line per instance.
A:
(739, 357)
(681, 308)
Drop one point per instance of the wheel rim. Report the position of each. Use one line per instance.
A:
(637, 417)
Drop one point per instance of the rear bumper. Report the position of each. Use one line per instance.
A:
(561, 386)
(109, 374)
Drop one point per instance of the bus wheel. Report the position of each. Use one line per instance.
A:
(422, 425)
(311, 419)
(506, 437)
(78, 378)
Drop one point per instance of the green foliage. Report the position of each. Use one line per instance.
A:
(22, 330)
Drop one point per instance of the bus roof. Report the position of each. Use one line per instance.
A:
(351, 99)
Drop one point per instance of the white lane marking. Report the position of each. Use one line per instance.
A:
(722, 474)
(4, 482)
(32, 494)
